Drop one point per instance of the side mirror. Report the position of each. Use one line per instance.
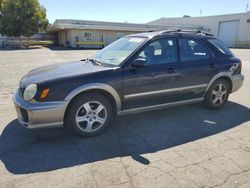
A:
(139, 62)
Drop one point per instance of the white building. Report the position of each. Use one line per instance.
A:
(233, 29)
(84, 33)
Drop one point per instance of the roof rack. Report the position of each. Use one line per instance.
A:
(165, 31)
(178, 30)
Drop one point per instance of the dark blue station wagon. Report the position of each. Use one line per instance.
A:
(137, 73)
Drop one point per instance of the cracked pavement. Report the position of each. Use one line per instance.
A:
(188, 146)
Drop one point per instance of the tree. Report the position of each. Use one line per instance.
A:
(1, 1)
(22, 17)
(1, 4)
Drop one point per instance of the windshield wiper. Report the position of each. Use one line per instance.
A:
(95, 61)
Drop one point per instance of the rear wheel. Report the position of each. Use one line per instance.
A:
(217, 95)
(89, 114)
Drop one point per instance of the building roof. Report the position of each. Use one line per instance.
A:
(65, 24)
(164, 21)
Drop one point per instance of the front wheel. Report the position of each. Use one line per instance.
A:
(217, 95)
(89, 114)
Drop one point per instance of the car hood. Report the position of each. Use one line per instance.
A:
(58, 71)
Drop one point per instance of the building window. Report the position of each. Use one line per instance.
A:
(87, 35)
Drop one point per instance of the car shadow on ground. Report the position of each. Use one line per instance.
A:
(28, 151)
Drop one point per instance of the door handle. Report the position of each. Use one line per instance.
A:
(171, 70)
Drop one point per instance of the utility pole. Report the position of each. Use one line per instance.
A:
(247, 7)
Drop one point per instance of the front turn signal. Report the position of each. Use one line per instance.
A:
(44, 93)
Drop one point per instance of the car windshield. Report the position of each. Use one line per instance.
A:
(117, 52)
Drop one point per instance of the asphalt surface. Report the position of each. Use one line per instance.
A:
(188, 146)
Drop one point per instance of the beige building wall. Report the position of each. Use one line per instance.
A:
(63, 37)
(212, 23)
(71, 37)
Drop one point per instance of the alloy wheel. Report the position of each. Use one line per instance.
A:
(91, 116)
(219, 94)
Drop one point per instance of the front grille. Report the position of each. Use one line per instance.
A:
(24, 115)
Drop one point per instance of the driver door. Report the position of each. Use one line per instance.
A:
(158, 81)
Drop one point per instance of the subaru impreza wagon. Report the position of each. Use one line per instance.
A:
(137, 73)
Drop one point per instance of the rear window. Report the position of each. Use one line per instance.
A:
(220, 46)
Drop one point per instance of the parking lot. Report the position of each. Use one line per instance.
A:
(188, 146)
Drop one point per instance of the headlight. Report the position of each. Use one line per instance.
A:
(30, 92)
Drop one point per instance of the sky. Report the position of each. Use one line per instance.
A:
(138, 11)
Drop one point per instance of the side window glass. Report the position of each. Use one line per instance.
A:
(191, 50)
(159, 52)
(220, 46)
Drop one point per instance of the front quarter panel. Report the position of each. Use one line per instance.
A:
(96, 86)
(67, 88)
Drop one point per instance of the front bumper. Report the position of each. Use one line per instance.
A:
(237, 82)
(39, 114)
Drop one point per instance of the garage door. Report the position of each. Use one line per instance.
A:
(228, 32)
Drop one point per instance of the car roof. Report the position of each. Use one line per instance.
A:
(175, 32)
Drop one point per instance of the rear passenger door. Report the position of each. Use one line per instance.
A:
(196, 67)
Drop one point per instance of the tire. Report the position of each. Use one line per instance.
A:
(89, 114)
(217, 95)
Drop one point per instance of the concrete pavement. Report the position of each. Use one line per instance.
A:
(188, 146)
